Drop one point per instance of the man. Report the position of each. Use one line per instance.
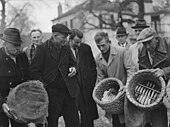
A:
(87, 75)
(36, 38)
(55, 67)
(155, 55)
(121, 36)
(113, 62)
(13, 71)
(138, 27)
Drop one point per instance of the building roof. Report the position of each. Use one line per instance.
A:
(107, 6)
(73, 10)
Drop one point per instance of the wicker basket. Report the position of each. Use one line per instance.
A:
(114, 106)
(145, 90)
(28, 102)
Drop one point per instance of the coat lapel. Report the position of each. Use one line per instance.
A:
(112, 55)
(54, 54)
(63, 53)
(103, 62)
(161, 53)
(144, 59)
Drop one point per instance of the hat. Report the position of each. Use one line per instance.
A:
(141, 23)
(12, 35)
(61, 29)
(146, 35)
(121, 31)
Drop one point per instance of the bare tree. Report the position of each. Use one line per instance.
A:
(19, 17)
(17, 14)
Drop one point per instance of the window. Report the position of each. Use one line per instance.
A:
(71, 23)
(155, 23)
(107, 18)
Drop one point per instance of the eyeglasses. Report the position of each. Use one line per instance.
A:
(138, 30)
(120, 36)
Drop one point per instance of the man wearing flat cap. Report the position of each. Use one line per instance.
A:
(54, 65)
(13, 71)
(138, 27)
(154, 55)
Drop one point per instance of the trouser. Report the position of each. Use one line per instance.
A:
(116, 122)
(84, 120)
(3, 120)
(16, 124)
(62, 104)
(134, 117)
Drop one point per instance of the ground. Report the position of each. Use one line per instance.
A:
(101, 122)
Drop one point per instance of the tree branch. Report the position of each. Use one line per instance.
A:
(17, 14)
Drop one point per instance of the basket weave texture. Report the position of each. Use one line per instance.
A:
(166, 100)
(28, 102)
(148, 76)
(115, 106)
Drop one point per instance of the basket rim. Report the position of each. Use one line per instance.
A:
(118, 96)
(163, 84)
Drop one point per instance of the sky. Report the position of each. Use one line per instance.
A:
(43, 11)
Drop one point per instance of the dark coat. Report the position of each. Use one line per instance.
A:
(11, 73)
(87, 74)
(46, 65)
(161, 59)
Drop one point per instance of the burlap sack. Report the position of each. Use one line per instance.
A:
(28, 102)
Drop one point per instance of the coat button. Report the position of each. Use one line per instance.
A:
(6, 58)
(10, 83)
(9, 71)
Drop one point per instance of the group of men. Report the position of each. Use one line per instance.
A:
(66, 67)
(69, 72)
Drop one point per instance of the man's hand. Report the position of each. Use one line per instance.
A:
(6, 109)
(72, 71)
(158, 72)
(31, 124)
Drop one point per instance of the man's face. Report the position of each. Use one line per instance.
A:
(12, 49)
(59, 38)
(121, 38)
(76, 41)
(103, 45)
(36, 37)
(137, 31)
(150, 45)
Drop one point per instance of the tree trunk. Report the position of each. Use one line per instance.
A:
(3, 23)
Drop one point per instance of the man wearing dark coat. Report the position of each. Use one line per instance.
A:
(13, 71)
(154, 55)
(87, 75)
(55, 67)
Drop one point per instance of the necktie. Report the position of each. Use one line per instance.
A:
(77, 54)
(32, 51)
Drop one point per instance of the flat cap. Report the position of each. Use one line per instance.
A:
(146, 35)
(61, 28)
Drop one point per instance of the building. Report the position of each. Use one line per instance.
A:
(103, 15)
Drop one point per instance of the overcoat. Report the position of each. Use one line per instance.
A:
(11, 73)
(87, 79)
(119, 66)
(161, 59)
(46, 65)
